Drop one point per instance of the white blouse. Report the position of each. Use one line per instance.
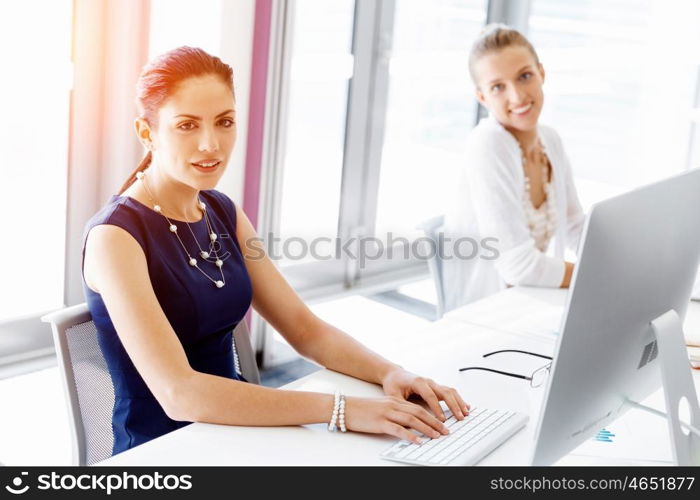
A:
(489, 207)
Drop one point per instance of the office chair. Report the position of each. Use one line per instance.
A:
(432, 228)
(88, 386)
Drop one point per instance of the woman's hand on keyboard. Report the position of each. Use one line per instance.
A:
(403, 384)
(391, 415)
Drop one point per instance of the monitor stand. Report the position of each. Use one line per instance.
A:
(678, 383)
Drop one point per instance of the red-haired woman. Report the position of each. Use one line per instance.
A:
(168, 275)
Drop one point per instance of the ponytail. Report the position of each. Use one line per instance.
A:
(142, 166)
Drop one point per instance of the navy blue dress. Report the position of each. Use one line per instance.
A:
(202, 315)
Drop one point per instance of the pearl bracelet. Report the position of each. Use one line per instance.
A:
(338, 417)
(341, 414)
(336, 408)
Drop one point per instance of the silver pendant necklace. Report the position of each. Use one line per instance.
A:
(207, 256)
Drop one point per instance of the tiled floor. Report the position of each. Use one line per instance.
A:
(33, 419)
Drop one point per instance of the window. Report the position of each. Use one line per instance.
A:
(34, 97)
(321, 66)
(369, 124)
(182, 22)
(375, 108)
(430, 110)
(621, 81)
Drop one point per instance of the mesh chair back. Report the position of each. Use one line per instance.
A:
(88, 385)
(94, 390)
(432, 229)
(244, 354)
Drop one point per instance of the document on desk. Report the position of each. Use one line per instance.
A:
(517, 310)
(637, 436)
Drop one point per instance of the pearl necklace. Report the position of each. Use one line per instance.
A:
(212, 237)
(530, 210)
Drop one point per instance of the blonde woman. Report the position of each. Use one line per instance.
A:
(516, 196)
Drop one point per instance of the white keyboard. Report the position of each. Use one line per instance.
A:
(469, 440)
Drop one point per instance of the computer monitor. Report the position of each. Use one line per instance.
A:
(637, 260)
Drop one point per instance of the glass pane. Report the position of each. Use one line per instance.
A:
(321, 67)
(431, 108)
(183, 22)
(620, 83)
(35, 98)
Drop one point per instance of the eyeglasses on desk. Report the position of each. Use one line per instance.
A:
(536, 378)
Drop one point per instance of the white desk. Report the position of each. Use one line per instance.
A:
(537, 312)
(522, 310)
(437, 352)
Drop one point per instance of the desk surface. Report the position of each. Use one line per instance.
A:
(537, 312)
(456, 341)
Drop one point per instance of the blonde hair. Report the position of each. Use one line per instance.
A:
(495, 37)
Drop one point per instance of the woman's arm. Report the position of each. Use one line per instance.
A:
(319, 341)
(115, 266)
